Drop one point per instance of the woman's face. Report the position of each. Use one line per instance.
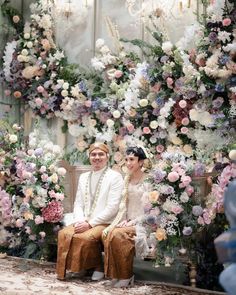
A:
(133, 163)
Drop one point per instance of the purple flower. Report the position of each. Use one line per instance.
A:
(150, 219)
(158, 175)
(187, 230)
(197, 210)
(217, 103)
(212, 37)
(38, 152)
(164, 59)
(169, 190)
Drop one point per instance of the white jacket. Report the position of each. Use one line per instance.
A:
(107, 203)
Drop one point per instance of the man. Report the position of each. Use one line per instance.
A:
(96, 205)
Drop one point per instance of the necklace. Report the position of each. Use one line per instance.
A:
(88, 193)
(136, 181)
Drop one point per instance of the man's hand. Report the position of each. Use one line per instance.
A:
(81, 227)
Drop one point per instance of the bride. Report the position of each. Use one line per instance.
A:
(118, 238)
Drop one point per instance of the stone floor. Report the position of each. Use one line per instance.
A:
(27, 277)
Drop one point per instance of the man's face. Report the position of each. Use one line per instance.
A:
(98, 159)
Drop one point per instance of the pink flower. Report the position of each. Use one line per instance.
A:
(173, 176)
(226, 22)
(38, 219)
(186, 180)
(169, 82)
(146, 130)
(182, 103)
(184, 130)
(88, 103)
(189, 190)
(200, 220)
(38, 101)
(160, 148)
(42, 234)
(53, 212)
(130, 128)
(40, 89)
(118, 74)
(177, 209)
(156, 87)
(19, 223)
(185, 121)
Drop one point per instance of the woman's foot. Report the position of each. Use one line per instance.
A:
(124, 283)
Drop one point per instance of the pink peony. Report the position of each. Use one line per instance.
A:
(185, 121)
(146, 130)
(19, 223)
(226, 22)
(38, 102)
(184, 130)
(38, 219)
(189, 190)
(53, 212)
(169, 82)
(130, 128)
(88, 103)
(182, 103)
(40, 89)
(177, 209)
(186, 180)
(118, 74)
(173, 176)
(160, 148)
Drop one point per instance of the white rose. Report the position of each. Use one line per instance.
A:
(13, 138)
(110, 123)
(65, 85)
(24, 52)
(116, 114)
(26, 35)
(20, 58)
(99, 43)
(167, 47)
(232, 155)
(29, 44)
(64, 93)
(154, 124)
(143, 102)
(61, 171)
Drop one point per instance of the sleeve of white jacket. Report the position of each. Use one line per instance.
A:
(113, 202)
(78, 213)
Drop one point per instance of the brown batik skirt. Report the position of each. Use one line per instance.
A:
(119, 249)
(76, 252)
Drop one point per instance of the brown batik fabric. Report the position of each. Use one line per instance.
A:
(119, 248)
(78, 252)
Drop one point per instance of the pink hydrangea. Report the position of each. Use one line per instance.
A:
(53, 212)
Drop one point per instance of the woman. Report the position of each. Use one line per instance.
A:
(118, 238)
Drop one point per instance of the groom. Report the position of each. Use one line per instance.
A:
(96, 204)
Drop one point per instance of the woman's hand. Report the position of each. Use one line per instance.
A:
(122, 223)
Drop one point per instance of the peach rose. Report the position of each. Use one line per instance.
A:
(161, 234)
(153, 196)
(17, 94)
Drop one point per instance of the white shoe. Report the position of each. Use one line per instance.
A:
(110, 283)
(124, 283)
(97, 275)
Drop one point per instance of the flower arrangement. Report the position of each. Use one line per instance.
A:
(31, 193)
(172, 209)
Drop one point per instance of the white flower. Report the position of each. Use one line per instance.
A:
(100, 43)
(97, 64)
(143, 102)
(26, 35)
(13, 138)
(9, 50)
(64, 93)
(20, 58)
(167, 47)
(154, 124)
(110, 123)
(65, 86)
(116, 114)
(232, 155)
(61, 171)
(104, 49)
(24, 52)
(184, 197)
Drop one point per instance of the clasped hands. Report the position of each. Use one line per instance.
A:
(126, 223)
(81, 227)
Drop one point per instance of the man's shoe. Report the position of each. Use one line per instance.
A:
(97, 275)
(78, 275)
